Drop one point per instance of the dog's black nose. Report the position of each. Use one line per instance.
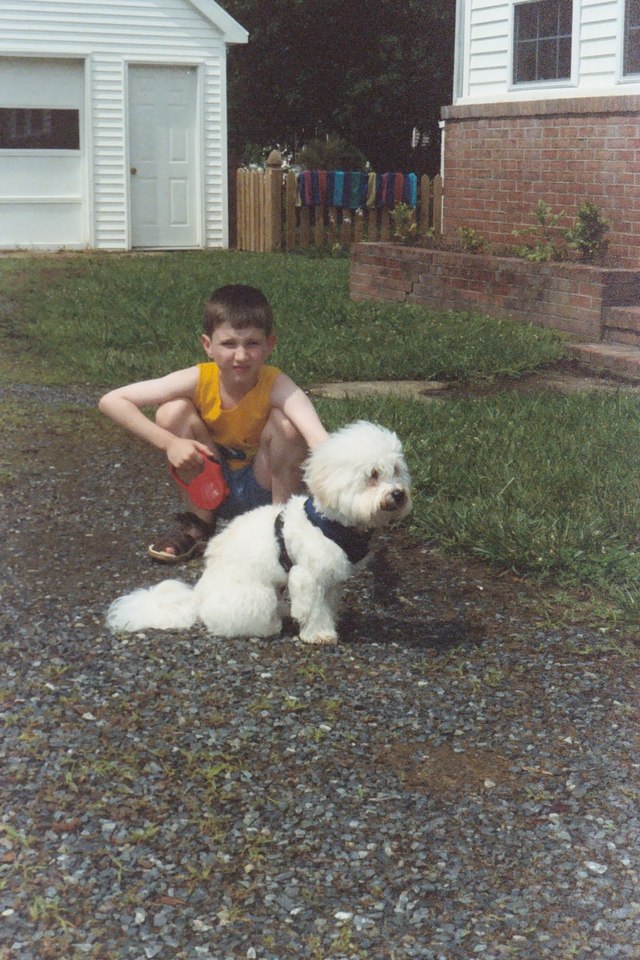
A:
(399, 497)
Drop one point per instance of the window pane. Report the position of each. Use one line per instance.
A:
(22, 129)
(564, 57)
(547, 60)
(527, 21)
(548, 20)
(565, 21)
(633, 13)
(632, 37)
(526, 63)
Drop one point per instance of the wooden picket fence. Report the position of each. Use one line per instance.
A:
(270, 216)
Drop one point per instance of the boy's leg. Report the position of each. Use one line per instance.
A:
(181, 418)
(278, 462)
(194, 527)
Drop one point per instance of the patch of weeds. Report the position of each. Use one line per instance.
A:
(260, 704)
(15, 837)
(331, 708)
(47, 910)
(312, 671)
(344, 943)
(144, 834)
(315, 734)
(255, 849)
(294, 704)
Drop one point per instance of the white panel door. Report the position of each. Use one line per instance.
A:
(162, 156)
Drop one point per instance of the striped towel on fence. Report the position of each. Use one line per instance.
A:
(331, 187)
(410, 193)
(356, 181)
(352, 189)
(304, 184)
(338, 190)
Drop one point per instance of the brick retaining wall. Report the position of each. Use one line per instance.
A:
(563, 296)
(501, 159)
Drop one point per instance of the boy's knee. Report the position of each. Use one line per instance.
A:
(284, 429)
(173, 414)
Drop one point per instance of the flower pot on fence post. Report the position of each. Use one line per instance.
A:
(273, 202)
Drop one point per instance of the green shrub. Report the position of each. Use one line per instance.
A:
(405, 228)
(332, 153)
(545, 239)
(588, 235)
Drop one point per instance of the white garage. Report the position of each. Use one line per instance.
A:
(113, 124)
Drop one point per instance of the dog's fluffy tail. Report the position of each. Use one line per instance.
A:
(169, 605)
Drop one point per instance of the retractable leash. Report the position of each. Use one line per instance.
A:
(208, 489)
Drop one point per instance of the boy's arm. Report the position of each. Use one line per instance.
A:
(124, 405)
(296, 406)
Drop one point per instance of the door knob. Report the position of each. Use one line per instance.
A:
(134, 170)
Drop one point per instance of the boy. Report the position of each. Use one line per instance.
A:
(251, 416)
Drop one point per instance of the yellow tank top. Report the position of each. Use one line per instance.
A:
(238, 430)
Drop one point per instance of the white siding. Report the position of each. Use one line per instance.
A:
(109, 178)
(598, 45)
(484, 56)
(109, 35)
(489, 47)
(215, 149)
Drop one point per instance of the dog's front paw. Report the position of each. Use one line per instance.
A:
(320, 639)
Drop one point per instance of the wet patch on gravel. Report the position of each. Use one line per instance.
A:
(459, 778)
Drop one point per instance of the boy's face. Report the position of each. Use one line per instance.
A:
(239, 353)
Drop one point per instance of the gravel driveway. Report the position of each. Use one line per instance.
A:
(457, 779)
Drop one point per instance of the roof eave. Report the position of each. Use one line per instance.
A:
(223, 21)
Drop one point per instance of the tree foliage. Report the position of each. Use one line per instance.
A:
(365, 72)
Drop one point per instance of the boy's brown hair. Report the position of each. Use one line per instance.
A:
(240, 306)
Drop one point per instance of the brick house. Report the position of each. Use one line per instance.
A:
(546, 106)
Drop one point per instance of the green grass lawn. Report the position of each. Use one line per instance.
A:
(545, 484)
(117, 319)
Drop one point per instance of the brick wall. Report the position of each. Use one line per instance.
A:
(501, 159)
(564, 296)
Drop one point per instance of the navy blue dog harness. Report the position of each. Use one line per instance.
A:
(355, 543)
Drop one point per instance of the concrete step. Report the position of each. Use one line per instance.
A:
(619, 359)
(622, 325)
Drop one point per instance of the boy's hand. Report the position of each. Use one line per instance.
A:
(186, 456)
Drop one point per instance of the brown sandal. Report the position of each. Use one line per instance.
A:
(188, 537)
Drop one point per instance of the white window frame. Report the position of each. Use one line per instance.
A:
(569, 81)
(622, 21)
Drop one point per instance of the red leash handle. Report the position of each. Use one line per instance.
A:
(209, 488)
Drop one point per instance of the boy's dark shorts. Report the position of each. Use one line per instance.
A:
(245, 491)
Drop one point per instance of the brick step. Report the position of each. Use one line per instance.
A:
(622, 325)
(619, 359)
(615, 335)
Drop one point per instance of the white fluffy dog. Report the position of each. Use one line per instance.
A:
(357, 481)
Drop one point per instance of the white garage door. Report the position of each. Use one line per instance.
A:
(42, 194)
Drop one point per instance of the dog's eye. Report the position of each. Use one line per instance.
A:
(375, 475)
